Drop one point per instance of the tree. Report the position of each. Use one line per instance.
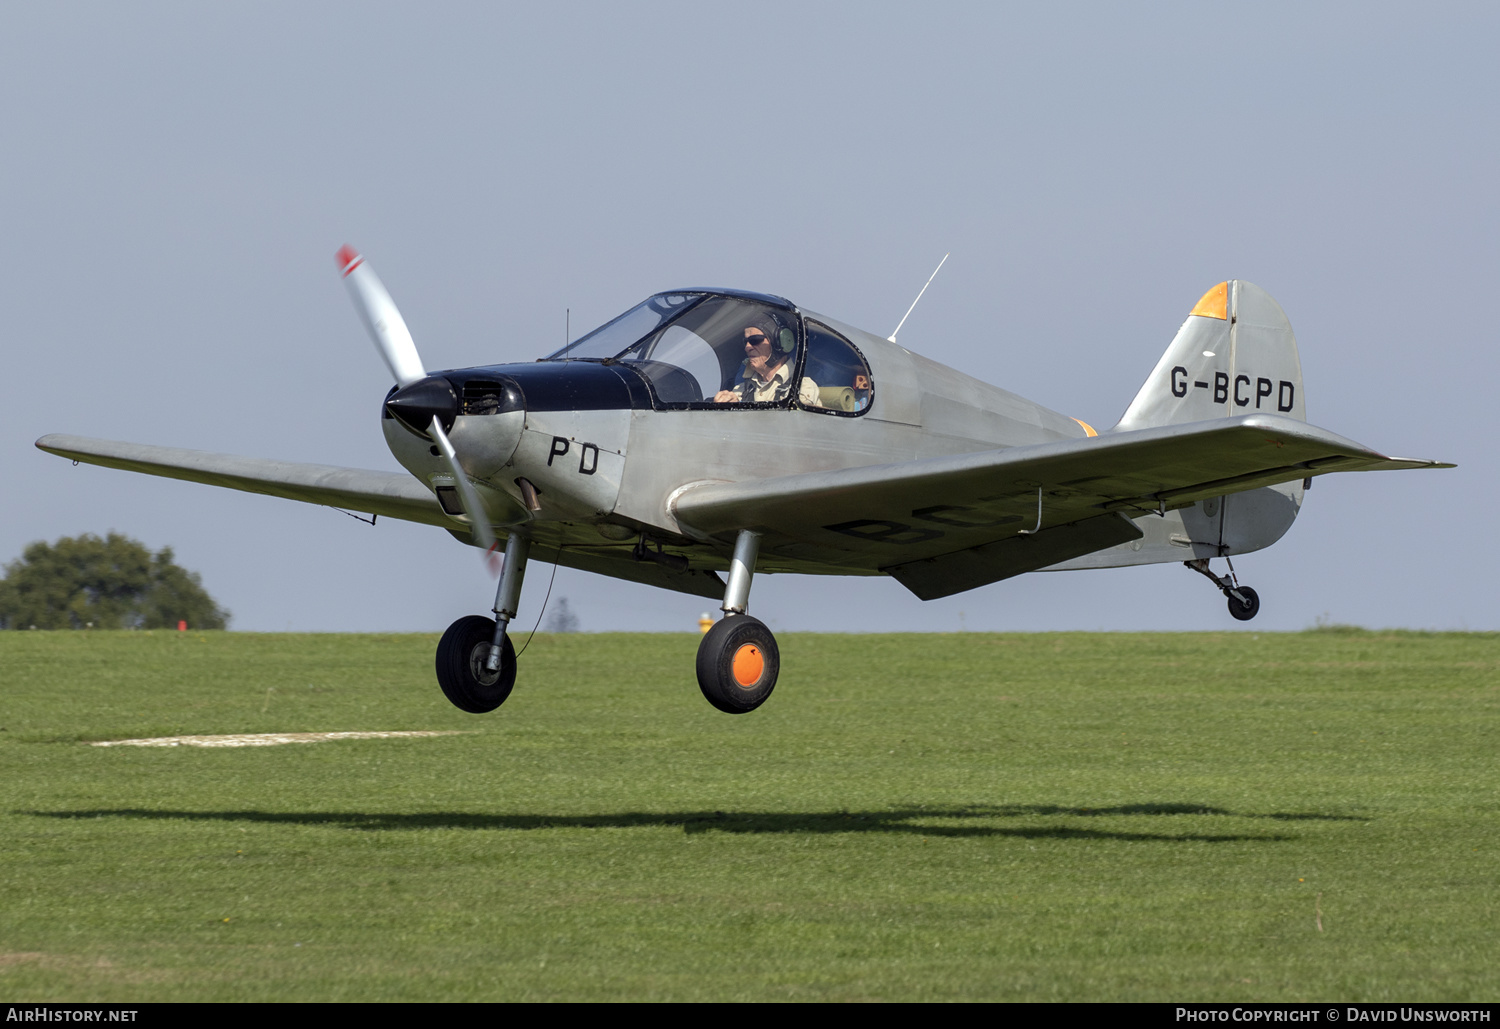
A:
(111, 583)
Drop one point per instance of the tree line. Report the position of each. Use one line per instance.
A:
(111, 583)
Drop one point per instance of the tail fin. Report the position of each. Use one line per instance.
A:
(1235, 354)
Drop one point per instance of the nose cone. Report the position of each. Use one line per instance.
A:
(418, 404)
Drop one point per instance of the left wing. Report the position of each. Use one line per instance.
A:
(946, 524)
(393, 494)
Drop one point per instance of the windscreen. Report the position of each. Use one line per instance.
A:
(613, 337)
(701, 354)
(692, 348)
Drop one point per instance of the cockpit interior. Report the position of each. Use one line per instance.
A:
(695, 346)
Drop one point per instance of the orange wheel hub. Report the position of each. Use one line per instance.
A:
(748, 665)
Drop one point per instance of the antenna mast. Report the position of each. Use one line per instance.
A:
(913, 307)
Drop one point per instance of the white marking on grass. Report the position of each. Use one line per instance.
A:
(269, 739)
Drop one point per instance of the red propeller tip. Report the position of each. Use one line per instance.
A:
(348, 259)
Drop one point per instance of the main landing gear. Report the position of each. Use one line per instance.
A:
(1244, 602)
(476, 662)
(738, 660)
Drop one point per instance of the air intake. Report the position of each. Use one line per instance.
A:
(491, 396)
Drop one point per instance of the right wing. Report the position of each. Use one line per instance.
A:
(942, 525)
(395, 495)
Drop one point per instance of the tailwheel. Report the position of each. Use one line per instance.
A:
(737, 664)
(1244, 602)
(462, 655)
(1246, 610)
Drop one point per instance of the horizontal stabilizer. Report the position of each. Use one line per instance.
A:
(392, 494)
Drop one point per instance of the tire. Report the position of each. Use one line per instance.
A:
(737, 664)
(460, 666)
(1245, 612)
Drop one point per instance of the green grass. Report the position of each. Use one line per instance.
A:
(1056, 816)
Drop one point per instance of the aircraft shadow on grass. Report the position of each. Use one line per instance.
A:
(907, 821)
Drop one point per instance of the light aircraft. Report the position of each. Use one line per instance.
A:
(709, 431)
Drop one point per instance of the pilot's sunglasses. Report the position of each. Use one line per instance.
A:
(756, 340)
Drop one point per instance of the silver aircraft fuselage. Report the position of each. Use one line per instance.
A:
(645, 449)
(605, 475)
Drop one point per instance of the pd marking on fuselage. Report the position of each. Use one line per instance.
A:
(588, 454)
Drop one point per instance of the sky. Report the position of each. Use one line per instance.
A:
(175, 179)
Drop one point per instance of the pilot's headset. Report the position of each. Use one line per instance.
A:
(783, 339)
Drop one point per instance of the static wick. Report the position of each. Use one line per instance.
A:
(913, 307)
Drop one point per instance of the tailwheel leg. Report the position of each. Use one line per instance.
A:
(738, 660)
(1244, 602)
(476, 662)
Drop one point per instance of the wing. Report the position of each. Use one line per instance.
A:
(946, 524)
(392, 494)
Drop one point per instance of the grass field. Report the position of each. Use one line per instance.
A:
(1306, 816)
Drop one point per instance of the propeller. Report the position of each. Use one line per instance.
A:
(393, 339)
(383, 321)
(479, 522)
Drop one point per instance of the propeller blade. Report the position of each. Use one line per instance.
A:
(393, 339)
(384, 322)
(468, 496)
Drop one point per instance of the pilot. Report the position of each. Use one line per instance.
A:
(769, 348)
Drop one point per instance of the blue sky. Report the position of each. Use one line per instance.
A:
(176, 179)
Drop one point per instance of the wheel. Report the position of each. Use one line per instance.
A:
(737, 664)
(461, 655)
(1245, 612)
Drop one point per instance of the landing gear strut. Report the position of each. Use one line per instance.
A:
(1244, 602)
(476, 662)
(738, 660)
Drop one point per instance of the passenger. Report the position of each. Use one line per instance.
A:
(768, 367)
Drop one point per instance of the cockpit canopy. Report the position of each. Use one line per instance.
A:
(696, 346)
